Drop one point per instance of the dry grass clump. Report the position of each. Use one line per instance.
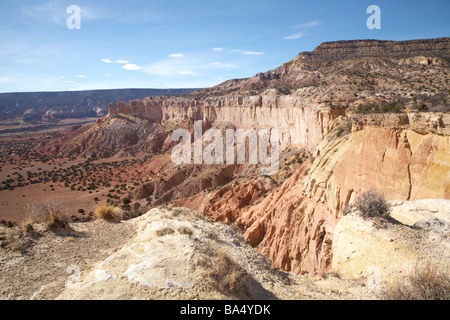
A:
(185, 230)
(44, 216)
(39, 218)
(426, 281)
(228, 276)
(109, 213)
(15, 239)
(164, 231)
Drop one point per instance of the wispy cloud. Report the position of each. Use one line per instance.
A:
(185, 66)
(106, 61)
(176, 55)
(294, 36)
(55, 12)
(122, 61)
(218, 49)
(81, 76)
(247, 53)
(307, 25)
(304, 27)
(49, 12)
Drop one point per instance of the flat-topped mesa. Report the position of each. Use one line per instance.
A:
(352, 49)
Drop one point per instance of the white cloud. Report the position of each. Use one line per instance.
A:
(252, 53)
(247, 53)
(294, 36)
(310, 24)
(218, 49)
(107, 75)
(106, 61)
(122, 61)
(81, 76)
(176, 55)
(131, 66)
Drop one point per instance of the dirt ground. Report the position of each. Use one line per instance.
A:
(43, 269)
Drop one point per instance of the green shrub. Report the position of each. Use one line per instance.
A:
(422, 107)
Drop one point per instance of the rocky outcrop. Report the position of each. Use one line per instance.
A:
(171, 257)
(56, 113)
(363, 248)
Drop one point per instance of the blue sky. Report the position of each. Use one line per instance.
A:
(180, 44)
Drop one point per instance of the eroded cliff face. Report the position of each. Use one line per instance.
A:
(294, 225)
(300, 122)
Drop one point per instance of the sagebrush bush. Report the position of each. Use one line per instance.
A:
(371, 204)
(50, 215)
(109, 213)
(426, 281)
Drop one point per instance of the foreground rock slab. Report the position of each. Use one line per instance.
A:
(417, 231)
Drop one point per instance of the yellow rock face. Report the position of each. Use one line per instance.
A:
(400, 163)
(429, 165)
(365, 248)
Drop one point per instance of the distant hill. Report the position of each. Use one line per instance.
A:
(33, 106)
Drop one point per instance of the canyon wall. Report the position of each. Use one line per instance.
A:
(299, 123)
